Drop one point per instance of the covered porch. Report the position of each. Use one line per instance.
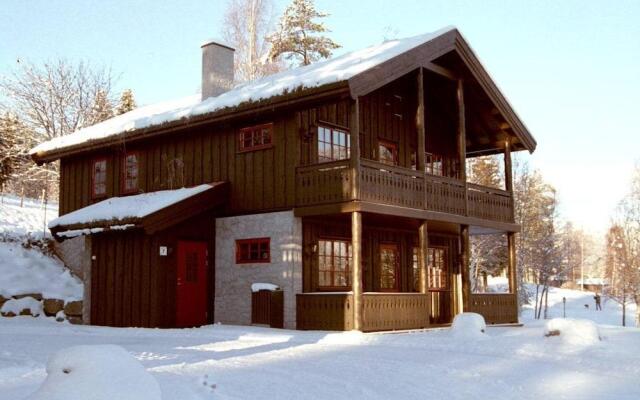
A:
(375, 272)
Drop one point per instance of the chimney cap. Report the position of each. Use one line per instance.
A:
(217, 42)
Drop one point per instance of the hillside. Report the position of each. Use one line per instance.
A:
(28, 270)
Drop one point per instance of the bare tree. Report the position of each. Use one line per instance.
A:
(52, 100)
(538, 255)
(246, 26)
(623, 251)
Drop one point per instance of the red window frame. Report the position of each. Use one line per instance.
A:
(253, 251)
(330, 145)
(255, 137)
(94, 193)
(438, 269)
(124, 189)
(396, 268)
(394, 152)
(329, 263)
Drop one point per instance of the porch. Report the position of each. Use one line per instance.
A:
(374, 272)
(327, 183)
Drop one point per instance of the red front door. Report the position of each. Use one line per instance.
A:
(191, 291)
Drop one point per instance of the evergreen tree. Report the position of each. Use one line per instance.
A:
(9, 152)
(298, 37)
(127, 102)
(102, 108)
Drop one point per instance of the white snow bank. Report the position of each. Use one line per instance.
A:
(580, 332)
(16, 306)
(24, 271)
(29, 220)
(256, 287)
(96, 372)
(468, 325)
(121, 208)
(317, 74)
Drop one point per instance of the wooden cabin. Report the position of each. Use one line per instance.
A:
(343, 183)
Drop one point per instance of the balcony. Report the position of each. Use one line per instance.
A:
(327, 183)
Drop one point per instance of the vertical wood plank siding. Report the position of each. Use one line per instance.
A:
(132, 285)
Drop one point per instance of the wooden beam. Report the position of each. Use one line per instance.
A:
(465, 279)
(424, 256)
(442, 71)
(513, 274)
(420, 122)
(508, 173)
(462, 133)
(355, 148)
(356, 268)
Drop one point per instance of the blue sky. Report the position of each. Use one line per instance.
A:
(571, 69)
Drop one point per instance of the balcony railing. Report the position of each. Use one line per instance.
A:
(384, 184)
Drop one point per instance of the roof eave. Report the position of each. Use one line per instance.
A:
(287, 99)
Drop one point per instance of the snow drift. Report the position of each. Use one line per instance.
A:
(468, 325)
(97, 372)
(582, 332)
(25, 271)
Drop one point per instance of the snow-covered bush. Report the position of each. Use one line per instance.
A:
(98, 372)
(468, 325)
(573, 331)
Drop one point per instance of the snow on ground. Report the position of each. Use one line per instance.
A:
(25, 271)
(98, 372)
(611, 313)
(229, 362)
(18, 222)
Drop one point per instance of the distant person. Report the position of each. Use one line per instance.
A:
(597, 299)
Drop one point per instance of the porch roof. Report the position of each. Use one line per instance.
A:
(151, 211)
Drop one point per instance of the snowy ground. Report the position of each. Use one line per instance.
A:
(29, 220)
(251, 362)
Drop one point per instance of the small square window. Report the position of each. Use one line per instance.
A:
(253, 251)
(256, 137)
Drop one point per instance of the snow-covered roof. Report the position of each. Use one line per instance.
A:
(315, 75)
(122, 209)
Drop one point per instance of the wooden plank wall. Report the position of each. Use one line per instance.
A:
(261, 180)
(131, 285)
(389, 114)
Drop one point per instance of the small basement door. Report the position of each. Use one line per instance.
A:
(191, 291)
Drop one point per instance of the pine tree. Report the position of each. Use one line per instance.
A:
(298, 36)
(102, 108)
(127, 102)
(9, 152)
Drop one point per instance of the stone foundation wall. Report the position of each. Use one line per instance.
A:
(233, 281)
(75, 253)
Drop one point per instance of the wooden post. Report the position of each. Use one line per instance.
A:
(356, 268)
(423, 259)
(513, 273)
(420, 123)
(508, 174)
(465, 282)
(424, 256)
(355, 150)
(462, 142)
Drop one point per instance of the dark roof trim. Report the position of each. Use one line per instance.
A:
(422, 56)
(302, 96)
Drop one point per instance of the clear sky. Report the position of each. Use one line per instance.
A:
(571, 69)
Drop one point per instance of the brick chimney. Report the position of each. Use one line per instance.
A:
(217, 68)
